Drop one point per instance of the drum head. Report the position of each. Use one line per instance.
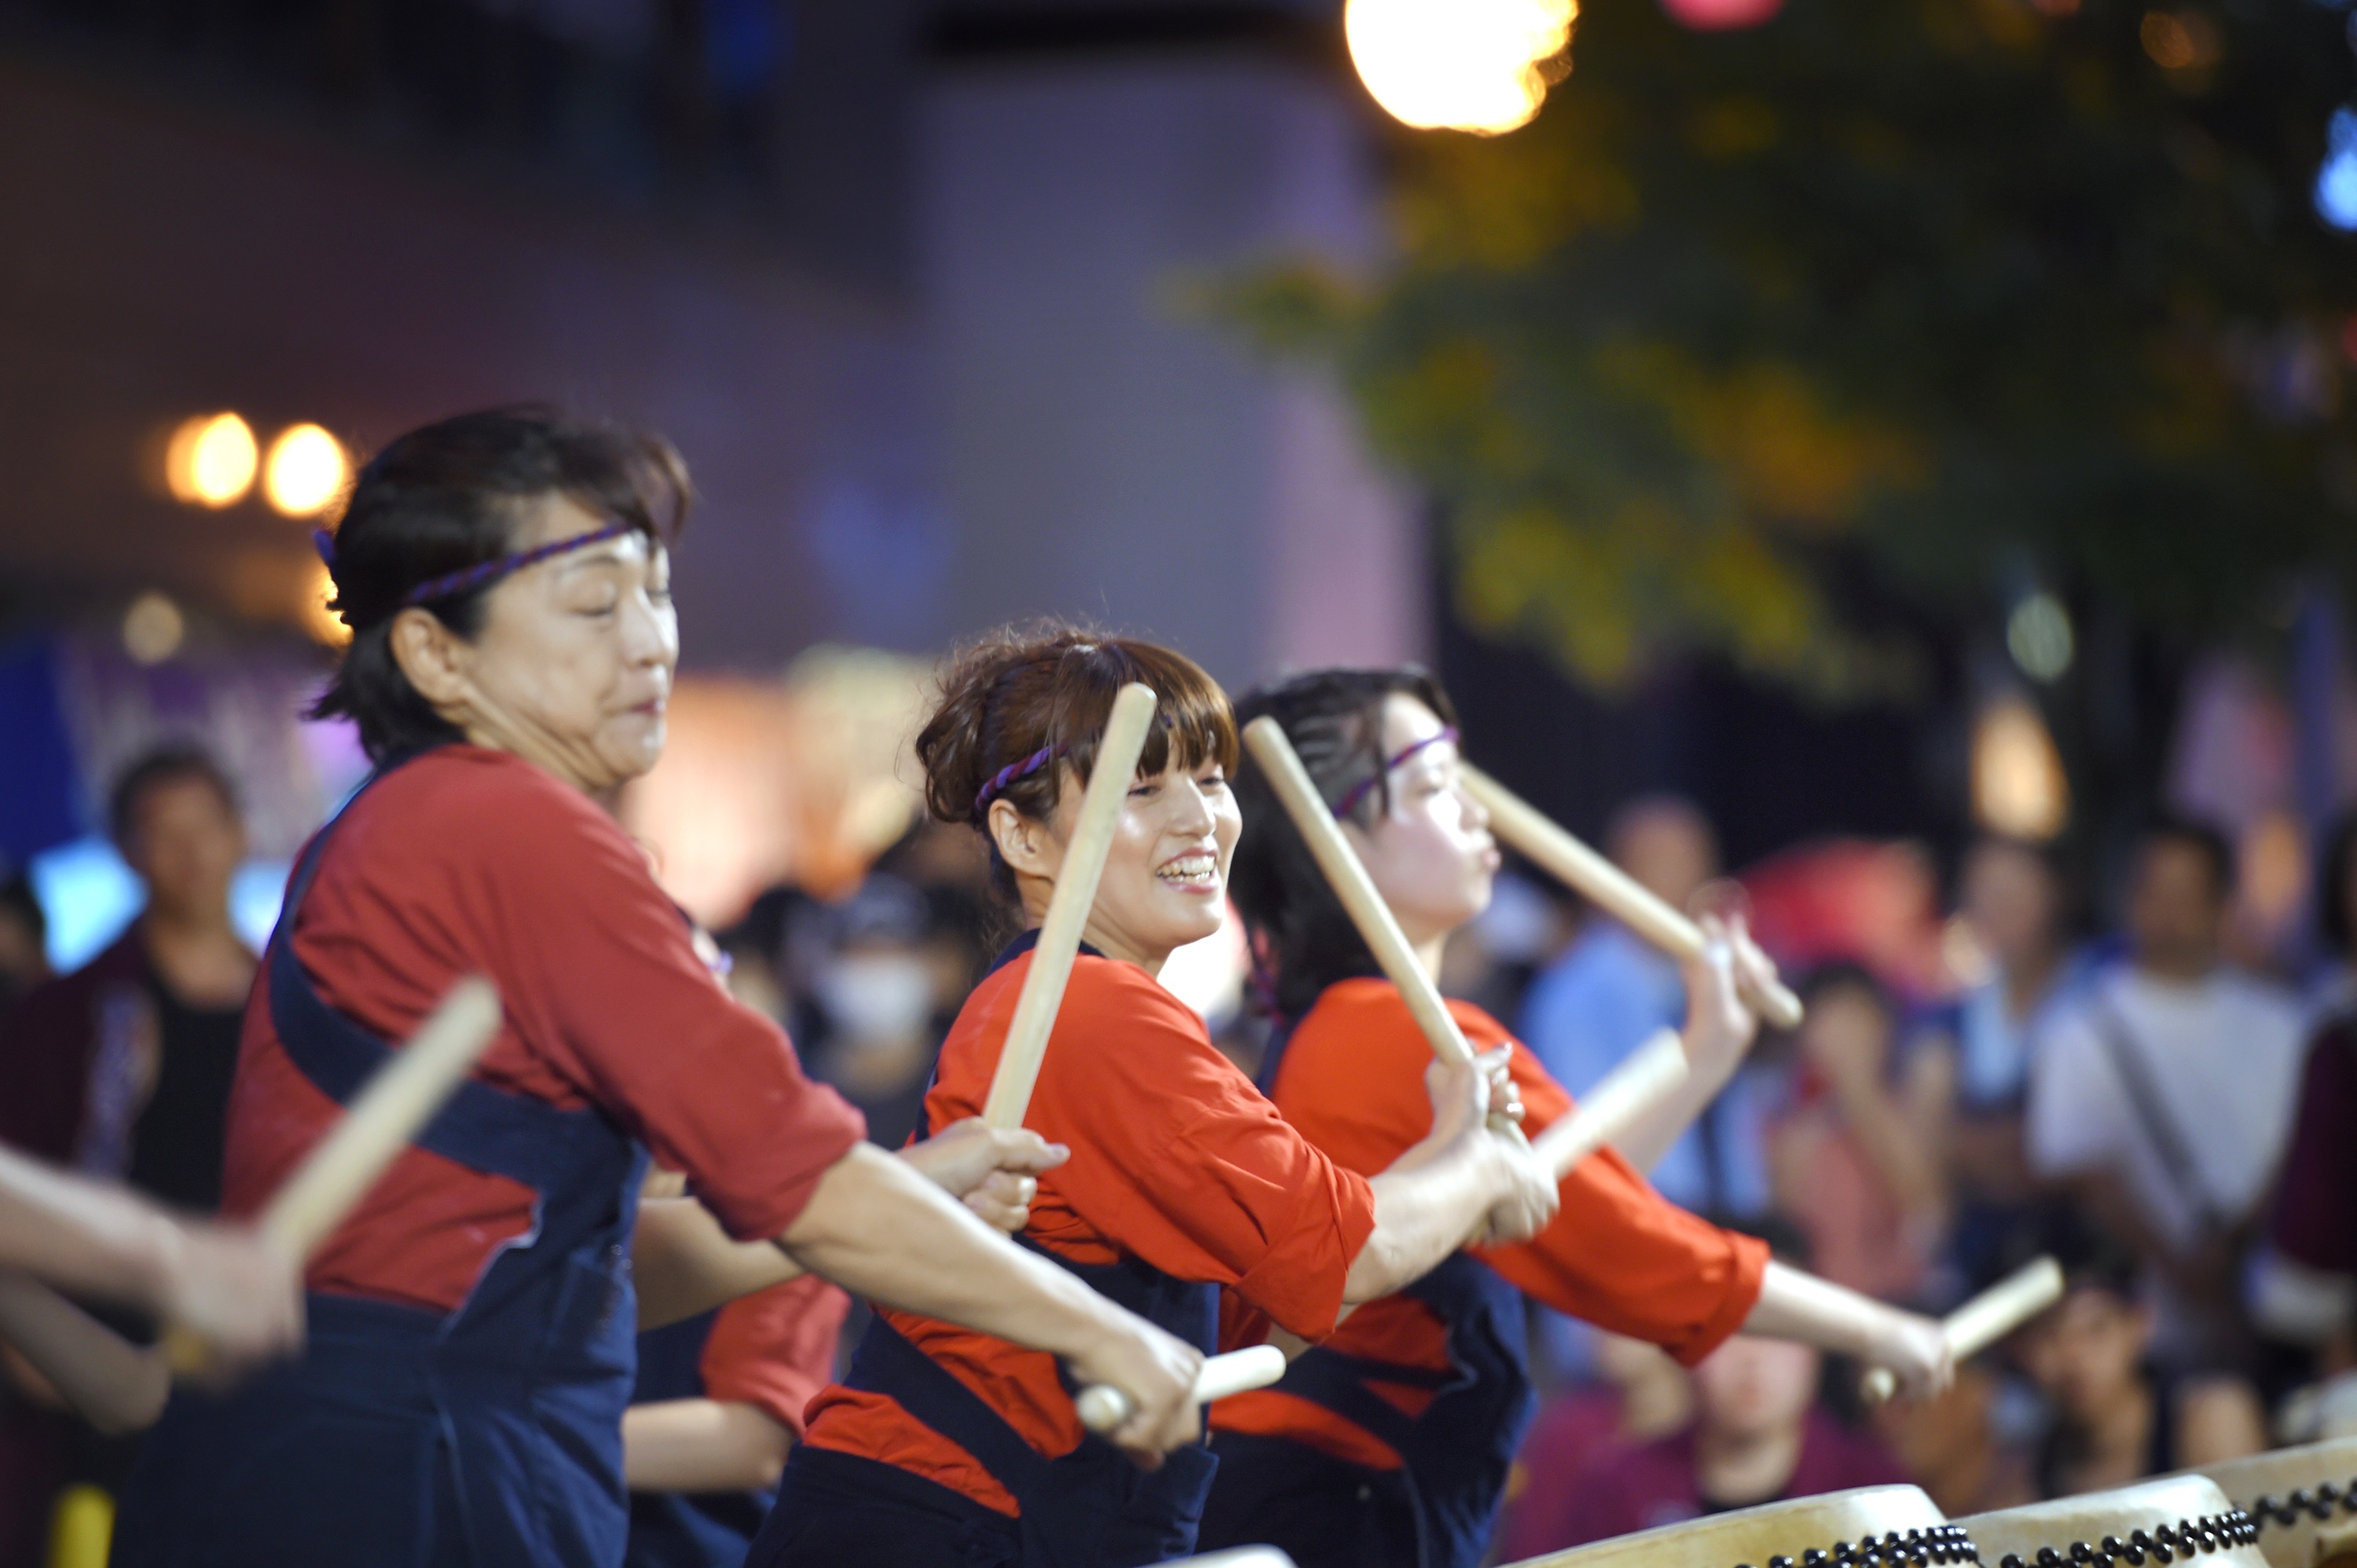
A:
(1873, 1527)
(2153, 1524)
(2304, 1501)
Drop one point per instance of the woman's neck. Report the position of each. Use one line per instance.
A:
(1115, 945)
(1035, 892)
(1741, 1470)
(1429, 953)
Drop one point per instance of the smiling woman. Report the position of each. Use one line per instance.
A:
(1182, 1181)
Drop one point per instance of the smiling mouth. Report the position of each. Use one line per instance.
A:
(1196, 873)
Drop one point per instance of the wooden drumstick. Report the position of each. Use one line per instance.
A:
(1104, 1407)
(1526, 828)
(1273, 749)
(1651, 1074)
(1068, 907)
(1378, 928)
(1985, 1320)
(378, 1124)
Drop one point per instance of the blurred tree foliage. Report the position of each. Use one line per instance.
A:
(1963, 290)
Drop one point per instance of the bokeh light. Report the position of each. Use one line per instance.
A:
(2038, 635)
(153, 628)
(1721, 15)
(1459, 65)
(2180, 41)
(2336, 182)
(306, 472)
(2018, 786)
(211, 460)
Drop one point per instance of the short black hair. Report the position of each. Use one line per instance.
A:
(2169, 827)
(1300, 932)
(446, 496)
(2335, 921)
(176, 763)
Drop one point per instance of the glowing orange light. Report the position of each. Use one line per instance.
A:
(211, 460)
(1461, 65)
(2180, 41)
(306, 472)
(2018, 786)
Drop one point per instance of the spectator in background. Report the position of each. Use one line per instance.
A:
(2304, 1289)
(1856, 1160)
(2161, 1090)
(1641, 1395)
(24, 941)
(884, 985)
(122, 1070)
(1612, 991)
(1758, 1435)
(2011, 901)
(2116, 1416)
(123, 1067)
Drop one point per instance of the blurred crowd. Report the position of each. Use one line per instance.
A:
(2117, 1093)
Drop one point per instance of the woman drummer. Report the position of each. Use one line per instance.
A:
(506, 579)
(1390, 1443)
(946, 1446)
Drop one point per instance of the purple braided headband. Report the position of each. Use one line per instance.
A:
(1010, 773)
(492, 571)
(451, 583)
(1359, 791)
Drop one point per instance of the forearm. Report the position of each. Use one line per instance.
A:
(684, 1263)
(879, 1229)
(84, 1237)
(1802, 1307)
(1427, 1204)
(1652, 1134)
(116, 1386)
(701, 1445)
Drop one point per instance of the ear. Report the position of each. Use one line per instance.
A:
(433, 658)
(1024, 843)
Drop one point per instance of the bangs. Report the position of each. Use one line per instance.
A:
(633, 477)
(1193, 721)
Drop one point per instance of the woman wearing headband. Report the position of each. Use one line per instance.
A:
(1390, 1443)
(946, 1446)
(507, 582)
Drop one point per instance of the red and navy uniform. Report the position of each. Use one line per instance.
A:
(773, 1350)
(472, 1325)
(1390, 1442)
(947, 1446)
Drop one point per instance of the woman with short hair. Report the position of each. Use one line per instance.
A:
(506, 577)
